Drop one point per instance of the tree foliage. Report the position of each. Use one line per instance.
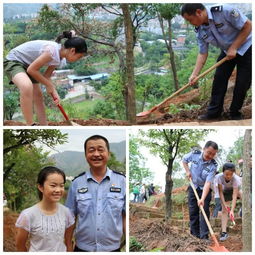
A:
(103, 109)
(138, 173)
(112, 93)
(236, 151)
(170, 145)
(116, 165)
(23, 159)
(15, 139)
(168, 12)
(11, 104)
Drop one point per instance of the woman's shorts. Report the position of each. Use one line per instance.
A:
(11, 68)
(228, 194)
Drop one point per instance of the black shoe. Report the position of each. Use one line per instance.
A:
(237, 116)
(207, 117)
(206, 241)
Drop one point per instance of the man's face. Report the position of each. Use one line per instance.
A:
(195, 19)
(209, 153)
(97, 153)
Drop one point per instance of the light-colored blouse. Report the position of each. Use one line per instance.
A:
(46, 231)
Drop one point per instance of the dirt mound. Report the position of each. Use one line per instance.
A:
(160, 235)
(157, 233)
(9, 231)
(161, 117)
(188, 116)
(179, 190)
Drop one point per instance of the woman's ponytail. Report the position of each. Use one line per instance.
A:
(65, 34)
(73, 41)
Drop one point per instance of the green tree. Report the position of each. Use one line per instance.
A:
(138, 173)
(129, 75)
(23, 159)
(20, 185)
(169, 145)
(236, 151)
(18, 138)
(103, 109)
(104, 35)
(116, 165)
(112, 93)
(62, 92)
(150, 89)
(168, 12)
(11, 104)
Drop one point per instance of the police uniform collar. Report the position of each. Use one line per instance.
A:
(107, 174)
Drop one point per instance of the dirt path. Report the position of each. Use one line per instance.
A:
(9, 231)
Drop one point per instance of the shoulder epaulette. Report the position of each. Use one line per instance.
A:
(218, 8)
(214, 162)
(79, 175)
(196, 29)
(119, 173)
(197, 152)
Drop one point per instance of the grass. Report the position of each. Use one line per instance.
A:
(178, 215)
(152, 199)
(134, 245)
(180, 198)
(83, 108)
(79, 110)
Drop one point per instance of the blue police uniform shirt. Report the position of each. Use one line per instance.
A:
(225, 23)
(98, 208)
(201, 171)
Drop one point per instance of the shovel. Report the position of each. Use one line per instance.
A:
(64, 113)
(160, 105)
(216, 246)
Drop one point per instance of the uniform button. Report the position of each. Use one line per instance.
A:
(98, 229)
(98, 213)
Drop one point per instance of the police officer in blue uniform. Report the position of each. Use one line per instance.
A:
(227, 28)
(201, 170)
(97, 199)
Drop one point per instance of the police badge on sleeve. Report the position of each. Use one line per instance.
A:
(235, 13)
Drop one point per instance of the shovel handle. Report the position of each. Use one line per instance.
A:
(60, 108)
(188, 84)
(204, 214)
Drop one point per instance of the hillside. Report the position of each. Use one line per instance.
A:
(73, 162)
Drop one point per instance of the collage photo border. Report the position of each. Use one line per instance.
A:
(128, 129)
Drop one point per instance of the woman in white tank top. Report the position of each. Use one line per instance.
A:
(22, 66)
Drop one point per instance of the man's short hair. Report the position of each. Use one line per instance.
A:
(96, 137)
(190, 9)
(211, 144)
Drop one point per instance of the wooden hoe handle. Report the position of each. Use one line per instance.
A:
(204, 214)
(188, 84)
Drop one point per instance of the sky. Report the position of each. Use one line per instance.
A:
(77, 137)
(224, 137)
